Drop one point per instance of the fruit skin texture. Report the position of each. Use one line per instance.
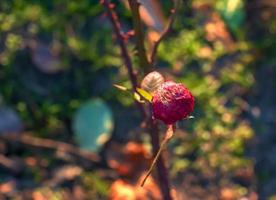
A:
(172, 102)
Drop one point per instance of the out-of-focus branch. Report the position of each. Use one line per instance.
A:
(9, 164)
(139, 36)
(163, 34)
(51, 144)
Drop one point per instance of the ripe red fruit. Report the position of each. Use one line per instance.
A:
(172, 102)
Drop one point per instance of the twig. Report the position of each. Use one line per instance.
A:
(139, 35)
(168, 136)
(123, 47)
(163, 34)
(51, 144)
(162, 171)
(9, 164)
(121, 40)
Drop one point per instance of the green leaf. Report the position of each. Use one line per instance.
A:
(93, 124)
(120, 87)
(144, 94)
(138, 97)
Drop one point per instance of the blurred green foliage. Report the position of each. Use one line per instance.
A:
(233, 13)
(77, 32)
(80, 38)
(95, 184)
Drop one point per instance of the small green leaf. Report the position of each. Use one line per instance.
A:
(144, 94)
(137, 97)
(120, 87)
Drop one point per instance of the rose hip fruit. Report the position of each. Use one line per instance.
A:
(172, 102)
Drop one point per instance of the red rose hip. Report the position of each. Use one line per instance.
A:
(172, 102)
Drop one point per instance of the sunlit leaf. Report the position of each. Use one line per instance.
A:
(137, 97)
(120, 87)
(144, 94)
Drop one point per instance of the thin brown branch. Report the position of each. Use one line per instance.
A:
(162, 171)
(51, 144)
(163, 34)
(123, 47)
(166, 139)
(121, 40)
(9, 164)
(139, 36)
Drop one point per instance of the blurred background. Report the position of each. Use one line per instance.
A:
(67, 133)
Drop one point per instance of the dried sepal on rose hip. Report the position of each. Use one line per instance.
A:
(152, 81)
